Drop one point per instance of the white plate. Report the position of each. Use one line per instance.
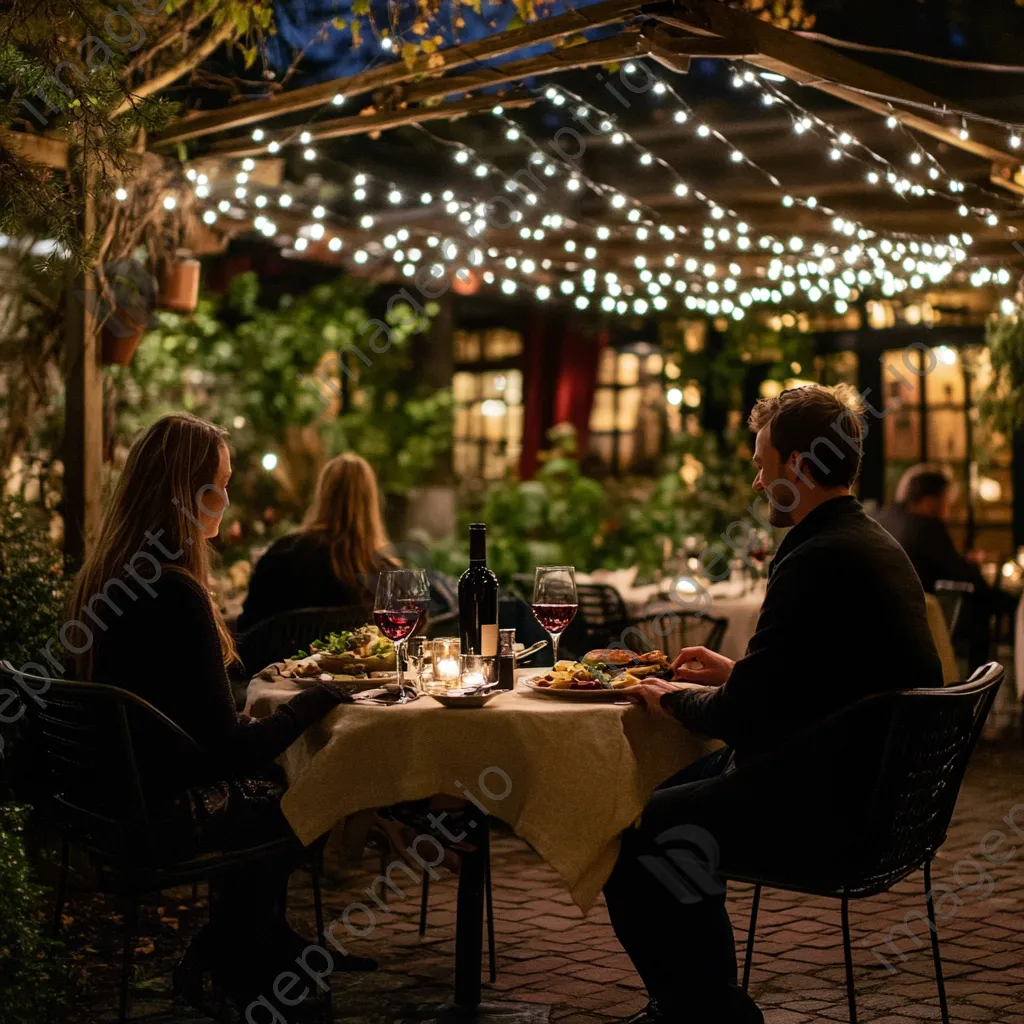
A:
(602, 696)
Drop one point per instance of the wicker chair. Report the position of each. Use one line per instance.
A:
(929, 737)
(81, 737)
(280, 636)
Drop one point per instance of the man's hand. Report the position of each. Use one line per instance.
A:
(648, 694)
(711, 670)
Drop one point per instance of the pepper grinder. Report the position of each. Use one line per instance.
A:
(506, 659)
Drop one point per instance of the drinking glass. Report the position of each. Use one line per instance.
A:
(446, 652)
(402, 597)
(417, 657)
(555, 600)
(760, 550)
(475, 671)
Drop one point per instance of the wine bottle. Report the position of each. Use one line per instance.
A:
(478, 599)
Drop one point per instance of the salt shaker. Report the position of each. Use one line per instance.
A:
(506, 659)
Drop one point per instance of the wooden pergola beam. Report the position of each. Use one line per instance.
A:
(565, 58)
(828, 71)
(39, 149)
(545, 30)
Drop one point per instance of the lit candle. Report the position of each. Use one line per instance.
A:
(471, 680)
(448, 668)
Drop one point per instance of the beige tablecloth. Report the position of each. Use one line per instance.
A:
(568, 778)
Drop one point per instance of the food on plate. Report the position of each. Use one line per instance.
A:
(612, 661)
(605, 669)
(356, 652)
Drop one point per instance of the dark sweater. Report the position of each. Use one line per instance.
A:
(295, 572)
(843, 617)
(166, 650)
(930, 548)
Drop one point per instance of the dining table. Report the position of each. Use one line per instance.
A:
(565, 775)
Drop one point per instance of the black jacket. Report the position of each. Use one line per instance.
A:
(295, 572)
(930, 548)
(165, 649)
(843, 617)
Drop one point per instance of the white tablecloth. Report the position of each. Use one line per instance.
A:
(1018, 651)
(739, 603)
(567, 777)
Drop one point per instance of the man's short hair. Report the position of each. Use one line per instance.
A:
(922, 481)
(822, 424)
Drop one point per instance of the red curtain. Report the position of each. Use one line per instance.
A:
(560, 367)
(577, 380)
(536, 410)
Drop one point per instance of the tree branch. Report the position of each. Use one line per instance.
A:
(161, 81)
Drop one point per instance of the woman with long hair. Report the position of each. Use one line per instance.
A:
(149, 625)
(334, 557)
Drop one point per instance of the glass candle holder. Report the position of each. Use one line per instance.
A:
(445, 652)
(476, 670)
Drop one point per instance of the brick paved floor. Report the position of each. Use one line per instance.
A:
(549, 953)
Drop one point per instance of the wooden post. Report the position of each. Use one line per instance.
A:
(83, 426)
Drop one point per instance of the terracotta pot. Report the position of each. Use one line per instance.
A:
(120, 335)
(179, 285)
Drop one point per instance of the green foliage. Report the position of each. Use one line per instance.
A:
(92, 70)
(272, 376)
(565, 517)
(1002, 403)
(33, 585)
(400, 424)
(28, 978)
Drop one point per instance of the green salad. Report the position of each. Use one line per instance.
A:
(365, 642)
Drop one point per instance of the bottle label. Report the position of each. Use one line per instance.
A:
(489, 640)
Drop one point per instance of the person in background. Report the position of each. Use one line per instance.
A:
(843, 618)
(167, 643)
(917, 520)
(332, 559)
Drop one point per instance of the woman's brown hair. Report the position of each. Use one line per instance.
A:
(155, 509)
(346, 513)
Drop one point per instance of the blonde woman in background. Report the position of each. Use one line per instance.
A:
(333, 558)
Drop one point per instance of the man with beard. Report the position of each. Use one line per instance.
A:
(843, 617)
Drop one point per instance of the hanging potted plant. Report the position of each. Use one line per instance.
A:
(128, 300)
(179, 283)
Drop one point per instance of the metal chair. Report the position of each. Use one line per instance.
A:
(81, 735)
(929, 736)
(951, 595)
(279, 636)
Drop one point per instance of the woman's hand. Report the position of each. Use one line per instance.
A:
(711, 670)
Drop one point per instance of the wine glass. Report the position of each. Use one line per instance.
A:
(759, 551)
(402, 597)
(555, 600)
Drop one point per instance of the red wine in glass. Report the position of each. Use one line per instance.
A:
(555, 618)
(396, 623)
(402, 598)
(555, 600)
